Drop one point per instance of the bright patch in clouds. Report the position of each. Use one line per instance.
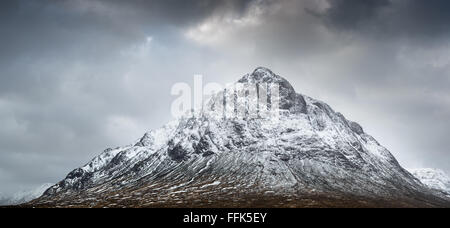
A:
(219, 28)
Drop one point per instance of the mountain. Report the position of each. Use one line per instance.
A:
(303, 154)
(433, 178)
(24, 196)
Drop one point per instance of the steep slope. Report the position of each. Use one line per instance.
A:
(305, 155)
(434, 178)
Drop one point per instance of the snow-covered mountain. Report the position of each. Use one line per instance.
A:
(433, 178)
(307, 156)
(24, 196)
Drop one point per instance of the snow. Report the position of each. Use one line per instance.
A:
(433, 178)
(24, 195)
(212, 184)
(103, 159)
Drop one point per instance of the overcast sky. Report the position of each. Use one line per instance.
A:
(79, 76)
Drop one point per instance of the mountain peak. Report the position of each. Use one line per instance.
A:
(263, 70)
(289, 98)
(261, 75)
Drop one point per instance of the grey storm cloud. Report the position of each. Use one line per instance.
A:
(391, 18)
(78, 76)
(350, 14)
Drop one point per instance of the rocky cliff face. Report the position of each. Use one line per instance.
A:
(310, 155)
